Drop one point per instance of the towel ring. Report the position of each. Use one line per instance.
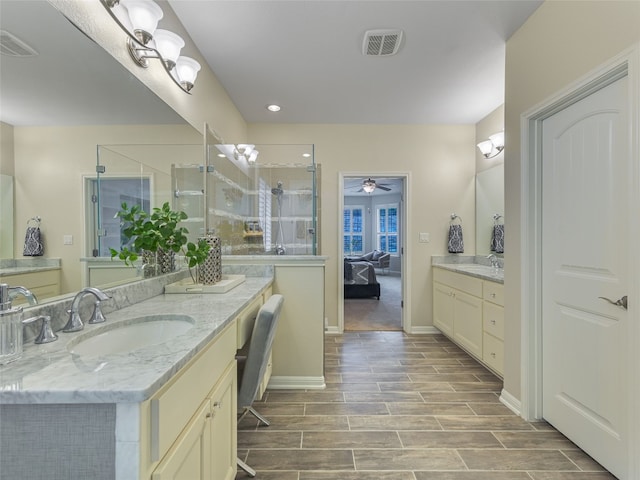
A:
(454, 217)
(36, 220)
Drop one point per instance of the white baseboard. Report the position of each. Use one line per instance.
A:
(511, 402)
(296, 383)
(332, 330)
(426, 330)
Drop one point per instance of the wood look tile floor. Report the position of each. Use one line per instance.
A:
(403, 407)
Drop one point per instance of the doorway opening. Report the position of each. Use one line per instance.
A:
(372, 236)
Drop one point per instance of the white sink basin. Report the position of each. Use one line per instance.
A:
(130, 335)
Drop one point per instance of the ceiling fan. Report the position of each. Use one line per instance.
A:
(370, 185)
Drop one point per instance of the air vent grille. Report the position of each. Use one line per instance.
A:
(381, 43)
(12, 46)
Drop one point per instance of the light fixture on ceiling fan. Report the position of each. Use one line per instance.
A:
(369, 185)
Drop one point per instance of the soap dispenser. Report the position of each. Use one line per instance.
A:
(10, 326)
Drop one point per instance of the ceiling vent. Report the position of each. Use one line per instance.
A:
(12, 46)
(381, 43)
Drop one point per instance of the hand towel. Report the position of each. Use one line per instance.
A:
(456, 244)
(497, 239)
(33, 246)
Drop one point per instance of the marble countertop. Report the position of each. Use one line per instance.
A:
(483, 272)
(50, 374)
(6, 272)
(9, 266)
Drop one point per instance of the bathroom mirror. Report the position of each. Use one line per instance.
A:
(489, 202)
(57, 107)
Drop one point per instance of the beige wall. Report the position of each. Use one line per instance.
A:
(6, 149)
(441, 163)
(49, 166)
(561, 42)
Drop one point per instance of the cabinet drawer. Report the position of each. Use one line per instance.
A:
(246, 319)
(493, 353)
(470, 285)
(174, 404)
(493, 292)
(493, 319)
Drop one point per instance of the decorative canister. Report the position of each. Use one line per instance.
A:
(210, 272)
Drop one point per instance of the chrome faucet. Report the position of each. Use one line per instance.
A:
(75, 324)
(13, 292)
(495, 263)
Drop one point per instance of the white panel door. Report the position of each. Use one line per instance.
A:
(585, 252)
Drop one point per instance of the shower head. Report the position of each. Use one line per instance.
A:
(277, 190)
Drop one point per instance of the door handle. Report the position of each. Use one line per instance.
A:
(621, 302)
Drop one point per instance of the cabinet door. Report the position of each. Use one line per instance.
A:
(224, 427)
(443, 308)
(189, 458)
(467, 322)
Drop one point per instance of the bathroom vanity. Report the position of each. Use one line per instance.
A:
(468, 307)
(42, 275)
(155, 411)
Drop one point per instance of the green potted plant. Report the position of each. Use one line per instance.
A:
(159, 233)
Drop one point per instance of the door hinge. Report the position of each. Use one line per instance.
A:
(401, 303)
(94, 198)
(101, 168)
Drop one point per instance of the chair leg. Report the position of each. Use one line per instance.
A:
(253, 412)
(250, 471)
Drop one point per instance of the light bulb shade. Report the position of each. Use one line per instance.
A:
(187, 70)
(253, 156)
(368, 186)
(169, 45)
(485, 147)
(497, 139)
(144, 16)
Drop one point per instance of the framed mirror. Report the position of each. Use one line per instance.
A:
(489, 205)
(62, 96)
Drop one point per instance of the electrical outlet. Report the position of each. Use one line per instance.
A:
(423, 237)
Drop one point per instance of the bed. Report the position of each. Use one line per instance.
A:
(360, 280)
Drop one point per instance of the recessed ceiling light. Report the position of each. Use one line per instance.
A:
(222, 155)
(273, 108)
(306, 155)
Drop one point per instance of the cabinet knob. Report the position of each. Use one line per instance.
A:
(217, 404)
(493, 295)
(493, 355)
(208, 415)
(493, 322)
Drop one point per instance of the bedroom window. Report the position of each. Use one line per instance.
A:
(387, 228)
(353, 230)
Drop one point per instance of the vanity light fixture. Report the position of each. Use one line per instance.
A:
(246, 151)
(493, 146)
(139, 19)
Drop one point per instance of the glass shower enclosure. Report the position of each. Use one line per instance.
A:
(261, 205)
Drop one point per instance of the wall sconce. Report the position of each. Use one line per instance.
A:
(139, 19)
(492, 147)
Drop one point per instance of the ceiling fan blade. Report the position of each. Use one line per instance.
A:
(382, 187)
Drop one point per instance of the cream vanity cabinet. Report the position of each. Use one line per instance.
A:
(43, 284)
(469, 311)
(493, 325)
(191, 420)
